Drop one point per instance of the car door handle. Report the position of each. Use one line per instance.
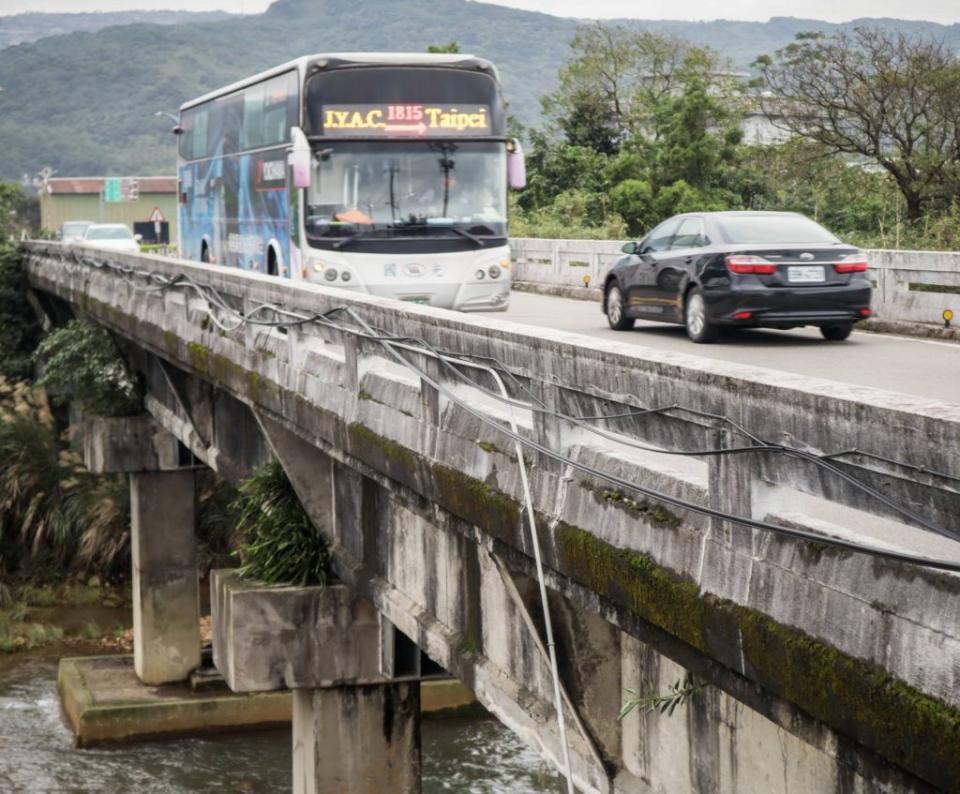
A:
(688, 260)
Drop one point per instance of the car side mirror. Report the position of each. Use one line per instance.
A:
(516, 166)
(138, 238)
(631, 248)
(299, 158)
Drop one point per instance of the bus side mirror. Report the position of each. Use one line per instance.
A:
(516, 166)
(299, 158)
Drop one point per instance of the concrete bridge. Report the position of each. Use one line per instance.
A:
(796, 575)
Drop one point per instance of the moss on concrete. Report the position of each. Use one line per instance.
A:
(477, 502)
(857, 698)
(401, 463)
(171, 343)
(634, 580)
(199, 356)
(652, 512)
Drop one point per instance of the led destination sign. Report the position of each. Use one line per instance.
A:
(406, 120)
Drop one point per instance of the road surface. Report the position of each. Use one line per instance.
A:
(921, 367)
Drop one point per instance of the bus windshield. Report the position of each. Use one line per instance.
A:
(407, 188)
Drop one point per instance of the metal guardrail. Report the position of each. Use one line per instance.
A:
(909, 286)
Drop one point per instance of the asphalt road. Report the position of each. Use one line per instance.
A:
(921, 367)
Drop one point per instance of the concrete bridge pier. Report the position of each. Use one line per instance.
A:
(166, 603)
(357, 739)
(356, 730)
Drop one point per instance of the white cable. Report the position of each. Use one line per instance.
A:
(548, 623)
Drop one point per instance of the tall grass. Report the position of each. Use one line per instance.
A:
(53, 512)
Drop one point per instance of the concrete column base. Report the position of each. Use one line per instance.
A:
(166, 597)
(357, 739)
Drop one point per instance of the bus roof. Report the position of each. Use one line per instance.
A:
(341, 59)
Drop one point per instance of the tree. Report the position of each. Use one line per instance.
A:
(19, 212)
(450, 47)
(618, 77)
(890, 97)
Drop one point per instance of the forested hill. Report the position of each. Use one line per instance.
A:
(24, 28)
(84, 103)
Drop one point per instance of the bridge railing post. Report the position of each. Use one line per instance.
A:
(351, 362)
(730, 481)
(547, 428)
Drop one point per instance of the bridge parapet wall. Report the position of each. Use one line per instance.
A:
(910, 286)
(842, 635)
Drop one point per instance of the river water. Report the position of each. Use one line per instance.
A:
(466, 756)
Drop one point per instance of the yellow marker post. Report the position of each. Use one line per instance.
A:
(947, 317)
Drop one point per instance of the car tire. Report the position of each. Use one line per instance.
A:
(616, 311)
(699, 328)
(836, 333)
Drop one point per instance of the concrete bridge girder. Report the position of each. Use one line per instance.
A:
(418, 469)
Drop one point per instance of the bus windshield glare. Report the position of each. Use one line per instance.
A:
(408, 188)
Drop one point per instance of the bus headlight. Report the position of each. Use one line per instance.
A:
(494, 271)
(330, 274)
(480, 275)
(345, 275)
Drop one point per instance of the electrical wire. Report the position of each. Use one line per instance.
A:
(390, 343)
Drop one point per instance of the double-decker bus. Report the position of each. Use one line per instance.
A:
(384, 173)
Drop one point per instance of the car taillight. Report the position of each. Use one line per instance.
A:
(744, 263)
(855, 263)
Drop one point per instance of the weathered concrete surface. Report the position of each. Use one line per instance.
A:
(166, 605)
(790, 630)
(361, 739)
(127, 444)
(272, 637)
(105, 702)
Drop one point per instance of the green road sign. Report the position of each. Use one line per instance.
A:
(112, 190)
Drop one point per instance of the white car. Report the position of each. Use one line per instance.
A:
(112, 236)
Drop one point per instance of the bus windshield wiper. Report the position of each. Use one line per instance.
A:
(447, 227)
(353, 237)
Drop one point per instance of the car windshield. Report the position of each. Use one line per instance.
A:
(774, 229)
(73, 229)
(108, 233)
(423, 188)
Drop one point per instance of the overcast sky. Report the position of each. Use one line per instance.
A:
(946, 11)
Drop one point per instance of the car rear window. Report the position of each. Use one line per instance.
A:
(774, 229)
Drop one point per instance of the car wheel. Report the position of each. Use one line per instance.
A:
(836, 333)
(616, 312)
(699, 328)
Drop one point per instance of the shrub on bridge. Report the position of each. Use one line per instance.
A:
(281, 545)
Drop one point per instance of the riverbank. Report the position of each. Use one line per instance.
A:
(80, 617)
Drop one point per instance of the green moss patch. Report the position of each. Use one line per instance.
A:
(654, 513)
(857, 698)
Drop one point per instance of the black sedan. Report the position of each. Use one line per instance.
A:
(706, 270)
